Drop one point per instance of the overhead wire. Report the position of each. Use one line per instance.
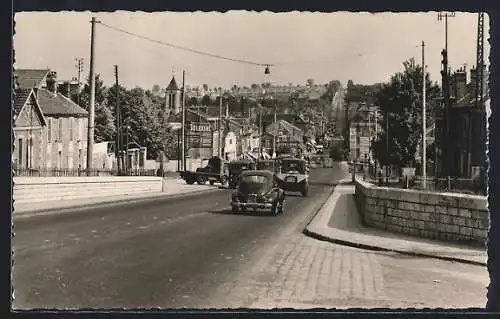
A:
(221, 57)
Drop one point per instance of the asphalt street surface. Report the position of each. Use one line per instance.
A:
(193, 252)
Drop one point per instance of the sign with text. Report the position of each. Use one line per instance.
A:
(199, 127)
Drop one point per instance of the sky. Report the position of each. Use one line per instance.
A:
(363, 47)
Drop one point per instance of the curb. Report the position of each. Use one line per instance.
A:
(60, 210)
(342, 242)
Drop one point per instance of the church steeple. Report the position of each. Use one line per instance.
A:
(173, 97)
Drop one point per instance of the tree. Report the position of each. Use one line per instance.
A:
(400, 102)
(310, 82)
(156, 90)
(205, 87)
(104, 122)
(192, 101)
(206, 100)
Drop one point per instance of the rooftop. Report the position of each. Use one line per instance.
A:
(58, 104)
(30, 78)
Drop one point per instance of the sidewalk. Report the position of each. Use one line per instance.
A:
(172, 188)
(338, 222)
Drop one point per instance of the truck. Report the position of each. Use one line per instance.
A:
(216, 171)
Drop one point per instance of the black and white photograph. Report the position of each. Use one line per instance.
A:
(243, 159)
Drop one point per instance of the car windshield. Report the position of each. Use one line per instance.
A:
(264, 165)
(239, 166)
(292, 167)
(255, 179)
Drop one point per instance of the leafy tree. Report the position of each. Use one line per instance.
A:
(400, 101)
(254, 86)
(104, 124)
(192, 101)
(310, 82)
(156, 90)
(206, 100)
(205, 87)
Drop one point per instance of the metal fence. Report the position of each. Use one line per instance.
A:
(449, 184)
(82, 172)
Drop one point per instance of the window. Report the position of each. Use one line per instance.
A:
(49, 130)
(20, 152)
(59, 160)
(71, 128)
(60, 129)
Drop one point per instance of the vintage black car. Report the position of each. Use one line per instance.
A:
(267, 165)
(258, 190)
(293, 175)
(235, 169)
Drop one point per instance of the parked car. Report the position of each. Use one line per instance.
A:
(258, 190)
(293, 175)
(236, 168)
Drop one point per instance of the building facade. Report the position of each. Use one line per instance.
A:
(29, 128)
(61, 143)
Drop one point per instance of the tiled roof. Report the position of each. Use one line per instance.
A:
(58, 105)
(30, 78)
(173, 85)
(20, 99)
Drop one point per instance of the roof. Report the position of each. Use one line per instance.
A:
(58, 104)
(30, 78)
(173, 85)
(20, 99)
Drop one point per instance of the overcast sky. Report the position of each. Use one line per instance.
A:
(363, 47)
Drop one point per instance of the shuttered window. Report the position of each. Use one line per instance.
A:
(49, 130)
(60, 129)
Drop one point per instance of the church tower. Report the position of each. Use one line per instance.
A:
(173, 98)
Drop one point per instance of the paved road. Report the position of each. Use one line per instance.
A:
(194, 253)
(164, 253)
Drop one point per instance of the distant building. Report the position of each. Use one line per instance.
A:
(173, 96)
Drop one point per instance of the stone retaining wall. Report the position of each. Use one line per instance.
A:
(40, 189)
(444, 216)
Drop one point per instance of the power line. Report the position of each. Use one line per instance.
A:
(224, 57)
(184, 48)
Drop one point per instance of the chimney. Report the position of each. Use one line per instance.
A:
(473, 81)
(460, 82)
(51, 82)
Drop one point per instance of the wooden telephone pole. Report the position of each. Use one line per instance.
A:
(118, 123)
(91, 118)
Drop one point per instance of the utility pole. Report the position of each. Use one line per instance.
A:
(183, 110)
(445, 15)
(446, 94)
(118, 123)
(276, 130)
(220, 124)
(79, 65)
(90, 133)
(424, 124)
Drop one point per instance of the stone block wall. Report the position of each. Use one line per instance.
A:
(442, 216)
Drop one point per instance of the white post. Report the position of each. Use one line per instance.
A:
(424, 124)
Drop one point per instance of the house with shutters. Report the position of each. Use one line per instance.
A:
(61, 140)
(29, 128)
